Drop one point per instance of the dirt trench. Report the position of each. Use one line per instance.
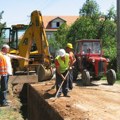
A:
(96, 102)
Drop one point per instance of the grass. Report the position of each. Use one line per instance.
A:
(117, 81)
(8, 113)
(11, 112)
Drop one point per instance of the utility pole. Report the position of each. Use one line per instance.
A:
(118, 35)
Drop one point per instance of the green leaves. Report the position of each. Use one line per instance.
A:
(60, 36)
(1, 26)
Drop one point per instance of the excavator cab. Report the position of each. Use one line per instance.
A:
(30, 41)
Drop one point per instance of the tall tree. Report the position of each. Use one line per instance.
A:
(118, 35)
(90, 8)
(1, 26)
(92, 24)
(60, 35)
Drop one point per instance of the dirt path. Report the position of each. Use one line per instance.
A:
(100, 103)
(96, 102)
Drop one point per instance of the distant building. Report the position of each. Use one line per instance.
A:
(52, 23)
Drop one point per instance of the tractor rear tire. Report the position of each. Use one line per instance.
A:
(86, 78)
(75, 74)
(111, 77)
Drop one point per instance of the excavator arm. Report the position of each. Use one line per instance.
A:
(35, 33)
(31, 44)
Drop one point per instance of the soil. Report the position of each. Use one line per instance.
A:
(96, 102)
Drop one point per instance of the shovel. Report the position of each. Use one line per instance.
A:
(61, 84)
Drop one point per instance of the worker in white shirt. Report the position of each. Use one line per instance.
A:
(5, 51)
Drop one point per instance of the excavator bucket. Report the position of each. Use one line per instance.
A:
(44, 73)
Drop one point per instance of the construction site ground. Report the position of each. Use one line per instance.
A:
(98, 101)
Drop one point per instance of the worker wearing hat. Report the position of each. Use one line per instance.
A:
(69, 45)
(5, 52)
(62, 63)
(69, 50)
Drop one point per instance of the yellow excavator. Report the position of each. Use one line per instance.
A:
(30, 41)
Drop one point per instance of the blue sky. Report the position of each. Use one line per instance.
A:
(18, 11)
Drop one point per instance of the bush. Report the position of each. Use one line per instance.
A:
(118, 75)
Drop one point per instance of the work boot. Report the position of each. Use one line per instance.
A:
(5, 105)
(66, 95)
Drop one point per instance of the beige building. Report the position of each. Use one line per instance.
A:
(52, 23)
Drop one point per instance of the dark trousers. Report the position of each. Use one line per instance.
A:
(64, 88)
(3, 89)
(70, 79)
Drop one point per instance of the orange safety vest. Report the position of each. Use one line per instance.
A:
(3, 65)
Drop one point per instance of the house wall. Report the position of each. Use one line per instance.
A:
(56, 23)
(50, 36)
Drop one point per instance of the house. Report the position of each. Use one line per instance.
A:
(52, 23)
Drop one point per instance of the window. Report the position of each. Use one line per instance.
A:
(48, 36)
(57, 24)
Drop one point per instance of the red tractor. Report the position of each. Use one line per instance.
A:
(91, 63)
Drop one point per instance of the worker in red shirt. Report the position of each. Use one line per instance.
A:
(69, 50)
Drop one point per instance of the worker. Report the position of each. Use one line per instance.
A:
(3, 81)
(69, 50)
(5, 52)
(62, 63)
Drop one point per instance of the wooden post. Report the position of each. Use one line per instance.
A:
(118, 35)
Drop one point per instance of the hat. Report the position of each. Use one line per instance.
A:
(69, 45)
(62, 52)
(6, 46)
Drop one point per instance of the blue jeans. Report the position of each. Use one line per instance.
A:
(3, 89)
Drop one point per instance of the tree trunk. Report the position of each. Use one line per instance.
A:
(118, 35)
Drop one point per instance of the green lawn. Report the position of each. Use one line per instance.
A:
(8, 113)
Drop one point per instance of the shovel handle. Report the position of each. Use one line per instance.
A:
(61, 84)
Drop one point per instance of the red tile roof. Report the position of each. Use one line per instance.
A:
(69, 19)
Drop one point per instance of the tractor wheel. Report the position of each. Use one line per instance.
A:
(111, 76)
(85, 78)
(75, 74)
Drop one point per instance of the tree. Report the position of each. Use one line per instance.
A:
(118, 36)
(60, 36)
(90, 8)
(1, 26)
(92, 24)
(83, 28)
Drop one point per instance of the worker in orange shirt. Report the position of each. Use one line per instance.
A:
(3, 81)
(69, 50)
